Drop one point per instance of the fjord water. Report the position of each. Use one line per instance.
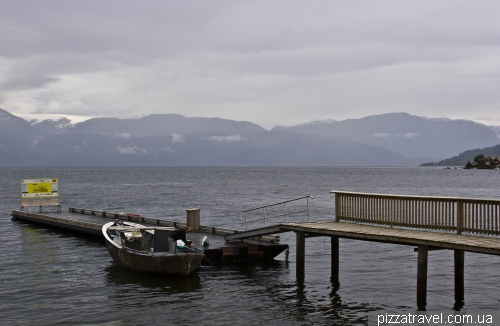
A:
(52, 277)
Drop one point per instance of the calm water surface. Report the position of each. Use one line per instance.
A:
(51, 277)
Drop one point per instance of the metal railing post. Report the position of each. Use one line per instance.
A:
(246, 221)
(284, 208)
(265, 221)
(308, 212)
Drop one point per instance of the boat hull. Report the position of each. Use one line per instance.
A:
(162, 263)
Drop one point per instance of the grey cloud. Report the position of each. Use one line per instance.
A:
(123, 135)
(168, 149)
(27, 81)
(228, 139)
(381, 135)
(177, 138)
(411, 135)
(98, 27)
(38, 71)
(171, 28)
(270, 62)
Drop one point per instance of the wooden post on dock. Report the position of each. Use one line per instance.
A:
(337, 207)
(423, 254)
(459, 278)
(301, 255)
(335, 259)
(193, 218)
(460, 216)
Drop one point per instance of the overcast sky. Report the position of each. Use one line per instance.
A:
(269, 62)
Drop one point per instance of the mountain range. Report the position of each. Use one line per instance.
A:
(411, 136)
(395, 139)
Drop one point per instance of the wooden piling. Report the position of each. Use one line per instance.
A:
(193, 218)
(335, 258)
(301, 255)
(459, 278)
(423, 254)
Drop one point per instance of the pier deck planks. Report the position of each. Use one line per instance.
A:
(466, 242)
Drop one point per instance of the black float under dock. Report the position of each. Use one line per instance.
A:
(90, 222)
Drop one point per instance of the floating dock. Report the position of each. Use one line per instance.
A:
(90, 222)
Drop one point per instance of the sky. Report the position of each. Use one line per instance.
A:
(268, 62)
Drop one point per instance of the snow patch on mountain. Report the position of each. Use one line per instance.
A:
(317, 122)
(437, 119)
(58, 119)
(314, 122)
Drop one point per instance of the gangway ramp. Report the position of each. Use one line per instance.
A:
(255, 233)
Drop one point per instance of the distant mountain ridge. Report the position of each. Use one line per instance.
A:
(409, 135)
(172, 139)
(150, 125)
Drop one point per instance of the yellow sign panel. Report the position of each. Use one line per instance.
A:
(39, 188)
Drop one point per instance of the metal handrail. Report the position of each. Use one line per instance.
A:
(286, 214)
(283, 202)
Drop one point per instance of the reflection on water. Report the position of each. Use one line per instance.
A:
(124, 280)
(37, 248)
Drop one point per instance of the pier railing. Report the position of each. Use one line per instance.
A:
(266, 218)
(479, 216)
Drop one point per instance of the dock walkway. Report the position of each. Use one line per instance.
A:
(90, 222)
(442, 240)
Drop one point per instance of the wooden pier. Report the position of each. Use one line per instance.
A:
(90, 222)
(460, 224)
(424, 222)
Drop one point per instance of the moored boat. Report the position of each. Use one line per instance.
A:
(147, 249)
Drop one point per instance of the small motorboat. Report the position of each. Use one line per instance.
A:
(148, 249)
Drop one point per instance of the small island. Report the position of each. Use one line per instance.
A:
(481, 162)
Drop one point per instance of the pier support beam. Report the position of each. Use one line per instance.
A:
(335, 259)
(459, 279)
(423, 254)
(301, 255)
